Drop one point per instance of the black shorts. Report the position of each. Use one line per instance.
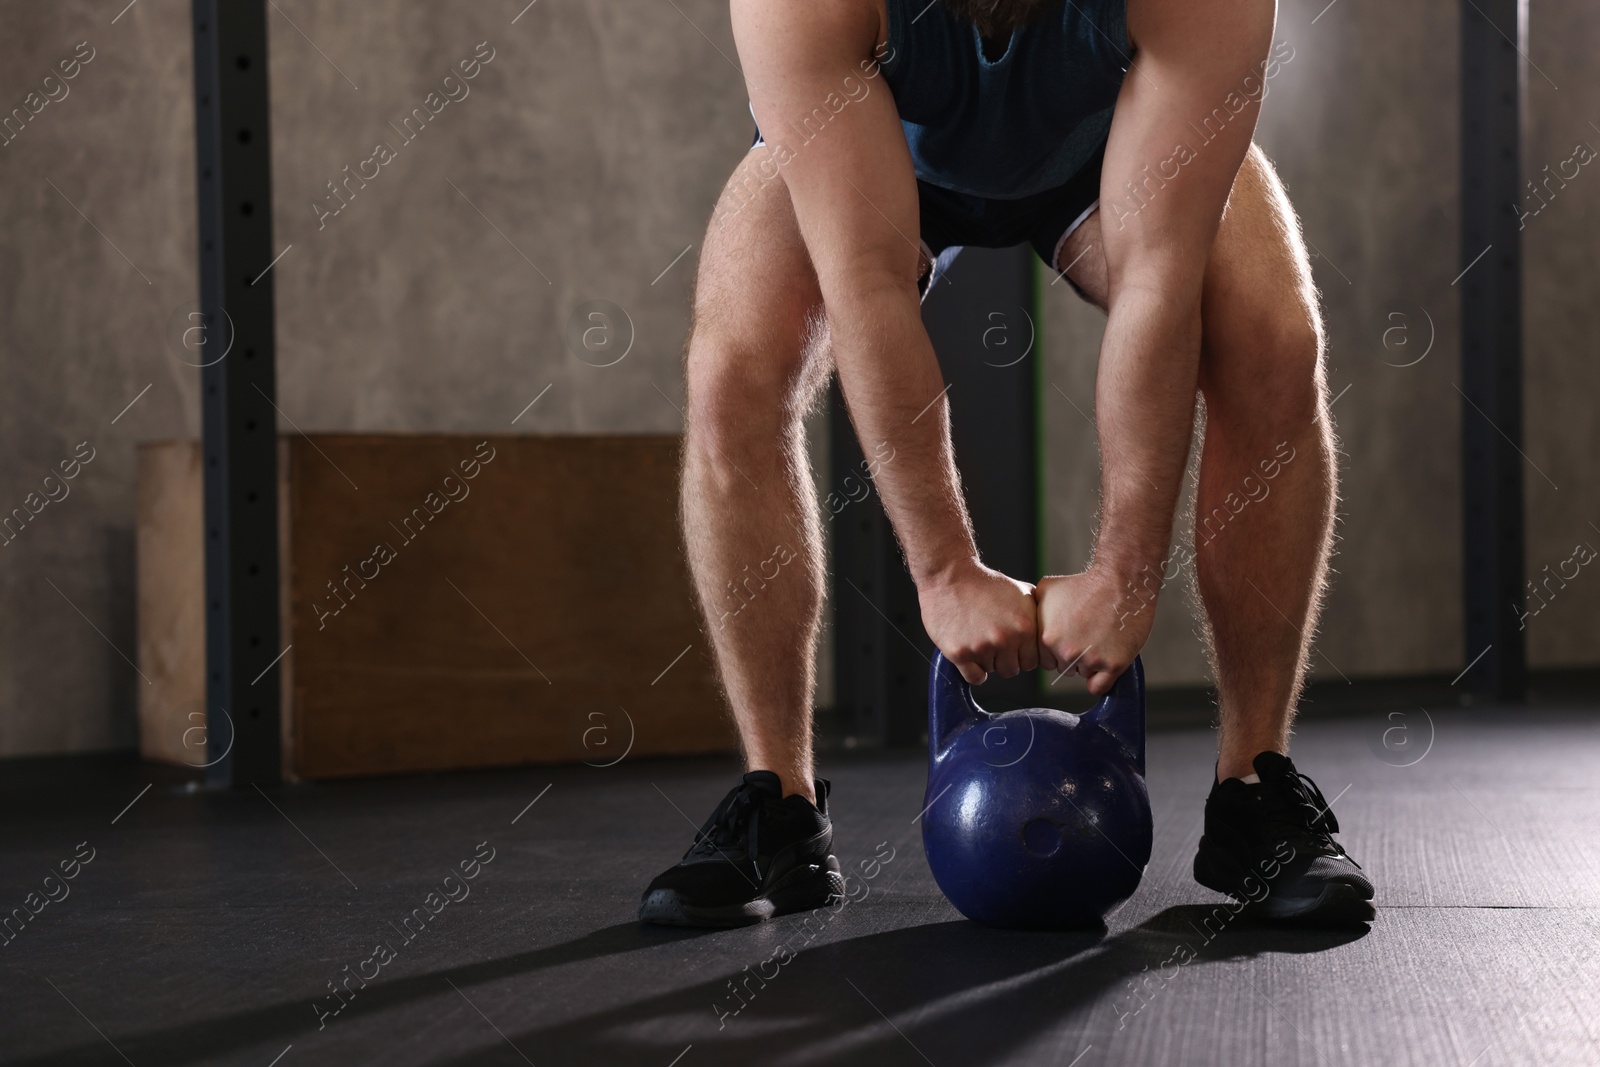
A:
(952, 220)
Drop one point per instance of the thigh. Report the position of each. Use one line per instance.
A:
(757, 306)
(1262, 334)
(1258, 305)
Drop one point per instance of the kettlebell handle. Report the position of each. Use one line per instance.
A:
(951, 705)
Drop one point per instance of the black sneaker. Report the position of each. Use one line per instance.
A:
(760, 854)
(1271, 844)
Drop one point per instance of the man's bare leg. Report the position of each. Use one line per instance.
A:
(756, 360)
(1268, 478)
(1264, 513)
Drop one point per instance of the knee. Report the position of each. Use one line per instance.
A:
(1269, 370)
(1292, 368)
(743, 397)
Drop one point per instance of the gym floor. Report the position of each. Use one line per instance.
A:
(206, 927)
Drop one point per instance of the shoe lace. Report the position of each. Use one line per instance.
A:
(732, 825)
(1304, 815)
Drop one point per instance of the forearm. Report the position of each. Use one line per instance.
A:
(1145, 400)
(892, 385)
(1202, 54)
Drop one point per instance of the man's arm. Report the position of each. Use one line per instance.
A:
(1183, 122)
(831, 124)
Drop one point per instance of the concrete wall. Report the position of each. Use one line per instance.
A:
(593, 143)
(585, 158)
(97, 248)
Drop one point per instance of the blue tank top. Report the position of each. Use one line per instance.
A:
(1015, 127)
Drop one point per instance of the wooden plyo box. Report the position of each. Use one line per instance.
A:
(448, 602)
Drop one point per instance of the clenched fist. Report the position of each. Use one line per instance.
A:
(984, 622)
(1091, 625)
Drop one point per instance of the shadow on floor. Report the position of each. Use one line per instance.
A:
(964, 992)
(296, 1020)
(955, 992)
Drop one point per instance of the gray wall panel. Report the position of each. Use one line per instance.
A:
(1562, 372)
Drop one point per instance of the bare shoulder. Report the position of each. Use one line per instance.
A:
(774, 35)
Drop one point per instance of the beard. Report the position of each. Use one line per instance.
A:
(997, 18)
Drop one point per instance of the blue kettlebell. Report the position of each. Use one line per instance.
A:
(1036, 818)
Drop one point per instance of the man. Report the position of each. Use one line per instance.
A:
(1115, 137)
